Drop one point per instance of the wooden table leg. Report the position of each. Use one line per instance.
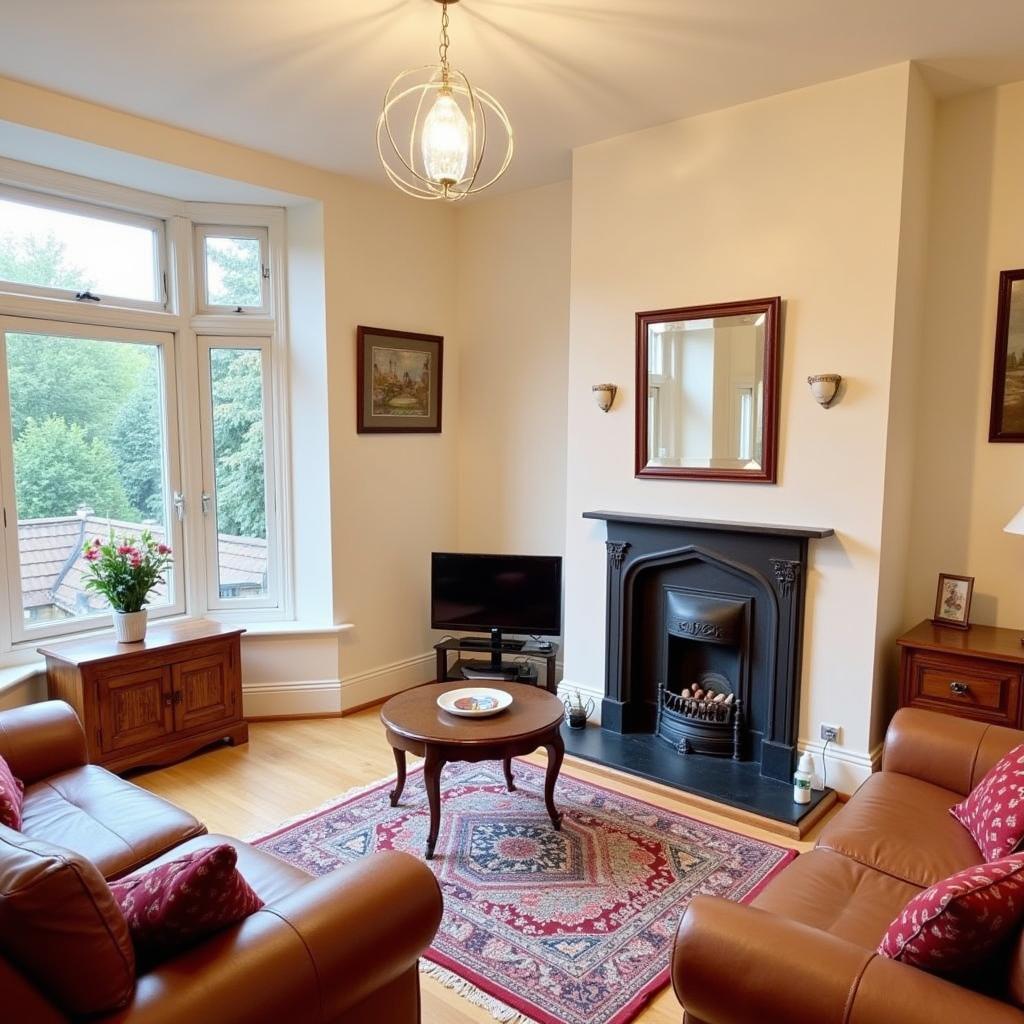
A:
(510, 779)
(556, 751)
(396, 793)
(432, 765)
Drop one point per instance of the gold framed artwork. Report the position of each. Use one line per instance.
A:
(399, 376)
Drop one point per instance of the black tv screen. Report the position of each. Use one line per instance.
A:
(513, 593)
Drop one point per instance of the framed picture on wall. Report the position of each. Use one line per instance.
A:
(953, 601)
(1006, 422)
(398, 377)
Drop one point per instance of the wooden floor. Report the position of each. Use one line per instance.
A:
(289, 767)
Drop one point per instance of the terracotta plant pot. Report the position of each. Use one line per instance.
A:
(130, 627)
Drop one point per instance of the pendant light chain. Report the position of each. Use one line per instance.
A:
(442, 49)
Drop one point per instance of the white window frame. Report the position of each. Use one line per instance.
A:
(274, 540)
(182, 318)
(260, 234)
(95, 212)
(164, 342)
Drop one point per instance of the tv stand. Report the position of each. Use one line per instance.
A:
(496, 667)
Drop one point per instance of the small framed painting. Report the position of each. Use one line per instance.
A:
(1006, 421)
(953, 601)
(399, 377)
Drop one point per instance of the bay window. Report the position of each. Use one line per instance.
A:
(119, 413)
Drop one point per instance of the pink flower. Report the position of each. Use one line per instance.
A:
(163, 549)
(97, 543)
(91, 554)
(135, 562)
(125, 549)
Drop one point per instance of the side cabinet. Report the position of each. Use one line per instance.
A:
(155, 702)
(971, 673)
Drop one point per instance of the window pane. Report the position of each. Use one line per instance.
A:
(234, 272)
(58, 249)
(236, 387)
(89, 458)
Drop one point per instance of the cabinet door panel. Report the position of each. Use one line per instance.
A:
(204, 692)
(135, 707)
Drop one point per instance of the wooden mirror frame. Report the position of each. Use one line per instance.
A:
(772, 309)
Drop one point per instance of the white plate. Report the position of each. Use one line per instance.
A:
(474, 701)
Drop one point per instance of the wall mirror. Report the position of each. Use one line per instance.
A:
(707, 391)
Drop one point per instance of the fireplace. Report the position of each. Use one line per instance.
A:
(704, 636)
(700, 691)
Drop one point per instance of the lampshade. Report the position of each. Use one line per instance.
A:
(1016, 524)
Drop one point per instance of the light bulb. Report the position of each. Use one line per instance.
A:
(445, 142)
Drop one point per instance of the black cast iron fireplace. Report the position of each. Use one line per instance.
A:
(700, 693)
(704, 635)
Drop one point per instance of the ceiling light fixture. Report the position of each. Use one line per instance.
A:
(447, 138)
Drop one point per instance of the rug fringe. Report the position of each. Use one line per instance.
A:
(495, 1007)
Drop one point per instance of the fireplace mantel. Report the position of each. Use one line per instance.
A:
(767, 529)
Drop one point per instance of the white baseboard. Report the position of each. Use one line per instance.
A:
(288, 700)
(387, 680)
(845, 770)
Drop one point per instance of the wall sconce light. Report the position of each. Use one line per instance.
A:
(604, 395)
(825, 387)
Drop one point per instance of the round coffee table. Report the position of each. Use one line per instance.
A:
(415, 723)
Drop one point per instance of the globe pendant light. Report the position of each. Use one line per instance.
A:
(445, 154)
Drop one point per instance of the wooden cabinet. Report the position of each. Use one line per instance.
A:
(974, 673)
(153, 702)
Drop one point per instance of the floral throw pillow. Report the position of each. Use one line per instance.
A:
(957, 923)
(993, 812)
(12, 797)
(172, 906)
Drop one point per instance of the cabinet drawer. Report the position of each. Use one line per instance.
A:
(986, 690)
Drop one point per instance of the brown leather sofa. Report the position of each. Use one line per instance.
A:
(804, 951)
(341, 948)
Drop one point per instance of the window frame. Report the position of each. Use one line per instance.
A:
(201, 233)
(180, 317)
(205, 343)
(19, 630)
(95, 211)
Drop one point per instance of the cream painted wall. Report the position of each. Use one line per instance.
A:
(966, 489)
(798, 195)
(512, 259)
(898, 522)
(389, 500)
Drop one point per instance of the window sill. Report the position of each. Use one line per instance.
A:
(17, 674)
(261, 630)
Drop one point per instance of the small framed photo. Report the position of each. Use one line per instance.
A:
(953, 601)
(398, 377)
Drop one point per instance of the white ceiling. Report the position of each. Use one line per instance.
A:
(305, 78)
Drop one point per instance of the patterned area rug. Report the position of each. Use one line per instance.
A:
(570, 927)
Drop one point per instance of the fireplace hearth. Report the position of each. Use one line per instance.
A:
(704, 637)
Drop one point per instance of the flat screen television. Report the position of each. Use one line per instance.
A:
(496, 594)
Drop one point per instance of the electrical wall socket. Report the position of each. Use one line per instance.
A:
(830, 733)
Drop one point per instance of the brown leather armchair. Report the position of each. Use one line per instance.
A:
(804, 951)
(341, 948)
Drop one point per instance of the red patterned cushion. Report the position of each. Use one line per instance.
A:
(12, 796)
(957, 923)
(994, 811)
(173, 905)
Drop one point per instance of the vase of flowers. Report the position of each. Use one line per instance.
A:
(126, 571)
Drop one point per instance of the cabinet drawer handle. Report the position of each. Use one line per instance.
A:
(167, 700)
(958, 688)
